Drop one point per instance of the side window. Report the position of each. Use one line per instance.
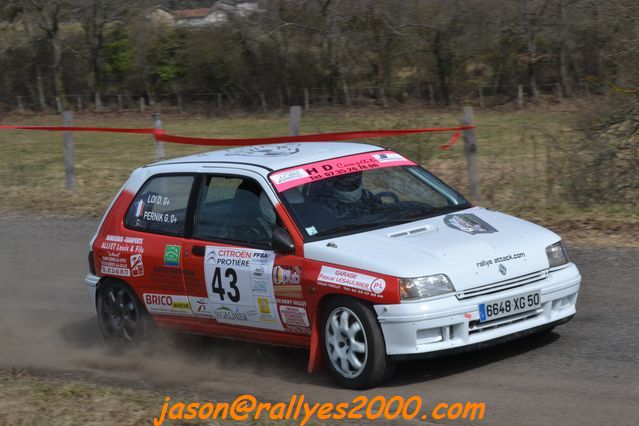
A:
(235, 209)
(160, 206)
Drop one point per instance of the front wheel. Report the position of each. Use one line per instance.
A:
(354, 345)
(123, 320)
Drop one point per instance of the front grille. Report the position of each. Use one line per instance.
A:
(522, 280)
(478, 327)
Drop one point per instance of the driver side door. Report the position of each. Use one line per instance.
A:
(229, 260)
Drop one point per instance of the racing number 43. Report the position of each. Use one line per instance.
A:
(216, 284)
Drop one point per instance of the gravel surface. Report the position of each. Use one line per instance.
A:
(584, 373)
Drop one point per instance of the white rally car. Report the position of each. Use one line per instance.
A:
(350, 250)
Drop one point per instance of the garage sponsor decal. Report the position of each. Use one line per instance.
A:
(240, 287)
(469, 223)
(287, 281)
(172, 255)
(359, 283)
(295, 176)
(167, 304)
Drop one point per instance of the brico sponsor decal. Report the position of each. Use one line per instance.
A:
(354, 280)
(295, 176)
(167, 304)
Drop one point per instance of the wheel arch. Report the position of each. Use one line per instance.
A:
(316, 357)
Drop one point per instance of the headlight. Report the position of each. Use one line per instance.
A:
(557, 254)
(418, 288)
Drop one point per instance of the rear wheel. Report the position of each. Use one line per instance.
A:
(123, 320)
(354, 345)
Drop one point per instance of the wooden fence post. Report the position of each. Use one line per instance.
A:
(294, 119)
(520, 96)
(20, 106)
(180, 107)
(120, 103)
(470, 149)
(159, 146)
(79, 102)
(431, 95)
(219, 101)
(263, 102)
(307, 100)
(142, 105)
(58, 104)
(97, 100)
(69, 173)
(558, 91)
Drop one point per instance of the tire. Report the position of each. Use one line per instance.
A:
(124, 322)
(353, 344)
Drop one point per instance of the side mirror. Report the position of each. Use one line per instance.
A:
(282, 241)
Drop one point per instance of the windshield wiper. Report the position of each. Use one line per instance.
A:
(347, 227)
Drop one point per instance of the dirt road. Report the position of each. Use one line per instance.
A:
(584, 373)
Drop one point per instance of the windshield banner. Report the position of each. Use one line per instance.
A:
(299, 175)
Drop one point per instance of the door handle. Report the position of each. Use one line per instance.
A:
(198, 251)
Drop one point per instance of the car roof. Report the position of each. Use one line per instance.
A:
(275, 156)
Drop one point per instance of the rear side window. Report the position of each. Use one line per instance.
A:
(160, 206)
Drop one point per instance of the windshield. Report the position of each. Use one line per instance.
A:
(369, 199)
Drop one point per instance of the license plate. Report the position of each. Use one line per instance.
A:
(509, 306)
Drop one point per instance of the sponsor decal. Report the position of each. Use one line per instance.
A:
(123, 244)
(113, 264)
(287, 281)
(388, 157)
(293, 315)
(240, 287)
(359, 282)
(167, 304)
(264, 305)
(288, 176)
(172, 255)
(224, 313)
(137, 267)
(469, 223)
(500, 259)
(265, 150)
(295, 176)
(114, 270)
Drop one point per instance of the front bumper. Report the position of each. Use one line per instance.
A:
(413, 328)
(92, 285)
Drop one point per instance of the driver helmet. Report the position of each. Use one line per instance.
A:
(348, 188)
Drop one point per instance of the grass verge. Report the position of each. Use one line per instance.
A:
(517, 159)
